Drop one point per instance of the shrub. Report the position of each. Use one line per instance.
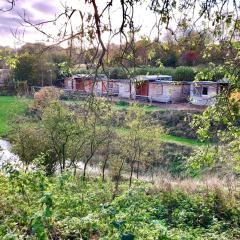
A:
(176, 122)
(184, 74)
(43, 98)
(122, 103)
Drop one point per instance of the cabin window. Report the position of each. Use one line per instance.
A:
(197, 91)
(205, 91)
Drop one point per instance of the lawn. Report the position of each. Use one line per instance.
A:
(9, 108)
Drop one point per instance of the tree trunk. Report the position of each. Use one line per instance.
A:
(85, 166)
(75, 170)
(138, 164)
(63, 157)
(131, 175)
(104, 168)
(118, 180)
(84, 170)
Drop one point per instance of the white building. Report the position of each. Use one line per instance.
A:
(204, 93)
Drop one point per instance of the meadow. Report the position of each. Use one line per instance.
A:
(10, 107)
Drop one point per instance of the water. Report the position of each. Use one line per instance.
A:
(6, 156)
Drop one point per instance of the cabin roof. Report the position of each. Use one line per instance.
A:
(90, 76)
(224, 80)
(171, 82)
(154, 77)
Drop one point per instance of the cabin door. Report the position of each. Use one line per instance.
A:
(80, 85)
(104, 87)
(142, 89)
(89, 86)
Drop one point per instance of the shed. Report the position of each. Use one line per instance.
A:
(203, 93)
(126, 88)
(161, 88)
(86, 83)
(107, 87)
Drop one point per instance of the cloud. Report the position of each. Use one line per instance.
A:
(44, 7)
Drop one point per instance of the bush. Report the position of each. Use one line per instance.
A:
(122, 103)
(174, 159)
(184, 74)
(180, 73)
(43, 98)
(176, 122)
(34, 206)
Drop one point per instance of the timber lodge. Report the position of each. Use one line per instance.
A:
(153, 88)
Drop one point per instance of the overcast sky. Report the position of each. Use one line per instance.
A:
(35, 10)
(38, 10)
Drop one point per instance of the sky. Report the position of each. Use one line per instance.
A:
(14, 33)
(11, 21)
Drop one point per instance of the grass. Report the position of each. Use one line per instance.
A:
(174, 139)
(122, 105)
(10, 107)
(182, 140)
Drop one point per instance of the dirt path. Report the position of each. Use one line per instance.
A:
(165, 106)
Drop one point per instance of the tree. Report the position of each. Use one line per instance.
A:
(26, 69)
(96, 113)
(190, 57)
(140, 139)
(60, 127)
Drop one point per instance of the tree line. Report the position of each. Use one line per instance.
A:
(40, 65)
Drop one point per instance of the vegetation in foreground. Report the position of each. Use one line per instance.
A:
(65, 207)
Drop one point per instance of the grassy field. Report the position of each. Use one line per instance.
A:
(182, 140)
(174, 139)
(9, 108)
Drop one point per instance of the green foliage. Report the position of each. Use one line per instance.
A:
(180, 73)
(176, 122)
(174, 159)
(64, 70)
(26, 69)
(65, 207)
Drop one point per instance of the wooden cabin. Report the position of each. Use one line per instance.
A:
(161, 88)
(203, 93)
(85, 83)
(99, 85)
(105, 87)
(126, 88)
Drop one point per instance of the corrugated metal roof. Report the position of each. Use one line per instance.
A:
(90, 76)
(154, 78)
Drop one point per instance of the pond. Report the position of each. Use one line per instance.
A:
(6, 156)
